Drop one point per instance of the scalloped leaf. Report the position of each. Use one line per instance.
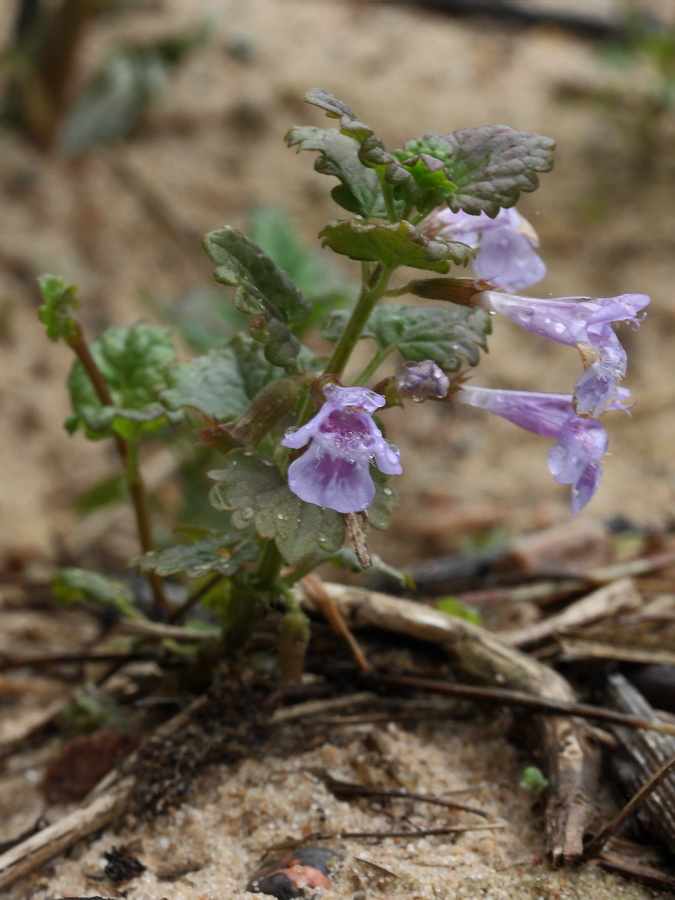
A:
(251, 487)
(360, 191)
(137, 364)
(397, 244)
(223, 554)
(60, 302)
(351, 155)
(481, 169)
(263, 290)
(222, 383)
(441, 333)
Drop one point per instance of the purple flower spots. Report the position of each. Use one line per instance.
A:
(584, 323)
(506, 245)
(580, 442)
(335, 471)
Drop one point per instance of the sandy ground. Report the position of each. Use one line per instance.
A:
(212, 149)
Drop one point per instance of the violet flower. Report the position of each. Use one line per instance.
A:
(335, 471)
(584, 323)
(421, 381)
(580, 442)
(506, 256)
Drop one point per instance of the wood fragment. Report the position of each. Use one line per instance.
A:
(594, 846)
(573, 758)
(646, 875)
(41, 847)
(315, 588)
(605, 602)
(573, 646)
(641, 754)
(103, 805)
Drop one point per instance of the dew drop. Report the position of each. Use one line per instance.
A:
(559, 327)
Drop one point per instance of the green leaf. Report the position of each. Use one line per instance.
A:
(354, 155)
(534, 780)
(346, 558)
(56, 313)
(72, 585)
(263, 290)
(113, 103)
(223, 554)
(384, 503)
(360, 191)
(454, 607)
(222, 383)
(251, 487)
(398, 244)
(476, 169)
(316, 275)
(137, 364)
(372, 151)
(440, 333)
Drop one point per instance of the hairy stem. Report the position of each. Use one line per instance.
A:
(128, 454)
(373, 365)
(370, 294)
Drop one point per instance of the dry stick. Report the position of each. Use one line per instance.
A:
(316, 591)
(595, 846)
(573, 758)
(423, 832)
(134, 479)
(530, 701)
(608, 600)
(350, 789)
(636, 872)
(49, 842)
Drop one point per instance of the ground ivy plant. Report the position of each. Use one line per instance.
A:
(306, 466)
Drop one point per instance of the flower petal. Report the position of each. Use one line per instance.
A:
(340, 484)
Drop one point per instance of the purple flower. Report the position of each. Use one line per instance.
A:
(506, 255)
(335, 470)
(580, 442)
(582, 322)
(421, 380)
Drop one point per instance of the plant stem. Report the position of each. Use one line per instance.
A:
(128, 454)
(373, 365)
(47, 42)
(269, 567)
(370, 294)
